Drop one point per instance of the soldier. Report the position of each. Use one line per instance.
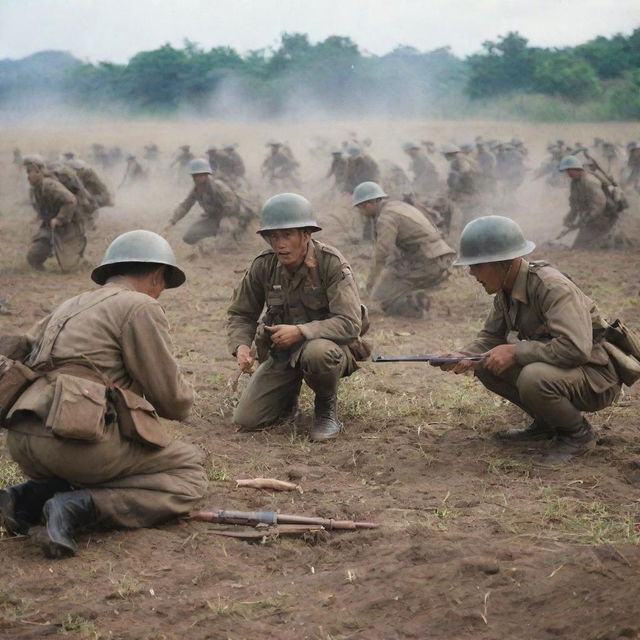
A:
(425, 174)
(183, 158)
(216, 198)
(338, 170)
(212, 155)
(632, 177)
(559, 365)
(311, 327)
(487, 167)
(134, 174)
(590, 210)
(510, 169)
(17, 158)
(68, 177)
(237, 169)
(279, 167)
(151, 152)
(462, 181)
(108, 362)
(99, 195)
(409, 255)
(61, 230)
(361, 167)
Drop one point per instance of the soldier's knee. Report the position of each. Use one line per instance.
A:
(190, 238)
(321, 356)
(37, 254)
(533, 381)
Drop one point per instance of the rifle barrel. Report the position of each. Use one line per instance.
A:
(430, 358)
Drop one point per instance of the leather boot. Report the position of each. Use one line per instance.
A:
(569, 444)
(325, 420)
(21, 505)
(534, 432)
(64, 514)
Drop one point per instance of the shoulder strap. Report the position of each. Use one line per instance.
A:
(41, 351)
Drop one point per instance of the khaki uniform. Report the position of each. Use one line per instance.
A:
(325, 306)
(52, 200)
(425, 175)
(409, 256)
(588, 211)
(280, 168)
(338, 170)
(562, 366)
(121, 336)
(362, 168)
(95, 187)
(217, 200)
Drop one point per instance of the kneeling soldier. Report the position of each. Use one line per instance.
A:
(310, 329)
(86, 430)
(544, 340)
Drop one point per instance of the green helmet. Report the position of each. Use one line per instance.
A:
(287, 211)
(570, 162)
(492, 239)
(366, 191)
(450, 148)
(33, 158)
(140, 246)
(199, 165)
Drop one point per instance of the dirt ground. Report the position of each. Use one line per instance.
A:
(475, 540)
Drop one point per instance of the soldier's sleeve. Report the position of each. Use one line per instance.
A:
(568, 320)
(386, 234)
(184, 207)
(493, 334)
(18, 346)
(227, 199)
(65, 200)
(147, 354)
(344, 324)
(245, 308)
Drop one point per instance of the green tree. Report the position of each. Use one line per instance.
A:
(567, 76)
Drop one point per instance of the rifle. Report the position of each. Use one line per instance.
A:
(599, 168)
(431, 358)
(272, 518)
(566, 230)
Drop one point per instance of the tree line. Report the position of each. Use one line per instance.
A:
(334, 76)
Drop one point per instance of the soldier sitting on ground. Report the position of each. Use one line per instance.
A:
(409, 255)
(310, 329)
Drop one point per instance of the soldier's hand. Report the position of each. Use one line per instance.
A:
(244, 358)
(54, 222)
(284, 335)
(500, 358)
(456, 367)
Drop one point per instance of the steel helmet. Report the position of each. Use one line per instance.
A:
(450, 148)
(570, 162)
(492, 239)
(366, 191)
(140, 246)
(33, 158)
(407, 146)
(287, 211)
(199, 165)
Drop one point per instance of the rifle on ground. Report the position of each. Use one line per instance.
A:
(272, 518)
(431, 358)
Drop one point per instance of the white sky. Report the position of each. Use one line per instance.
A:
(115, 30)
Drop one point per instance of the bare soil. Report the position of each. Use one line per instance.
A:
(475, 541)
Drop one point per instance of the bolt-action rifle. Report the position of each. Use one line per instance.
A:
(431, 358)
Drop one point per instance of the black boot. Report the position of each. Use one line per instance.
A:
(325, 420)
(568, 444)
(64, 514)
(535, 431)
(21, 505)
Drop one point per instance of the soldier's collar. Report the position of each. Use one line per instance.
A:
(519, 291)
(119, 281)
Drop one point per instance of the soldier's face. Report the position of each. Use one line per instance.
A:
(289, 245)
(489, 274)
(200, 178)
(574, 174)
(34, 174)
(369, 208)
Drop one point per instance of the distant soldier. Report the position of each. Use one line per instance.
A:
(338, 170)
(99, 155)
(69, 178)
(361, 167)
(17, 157)
(589, 209)
(518, 145)
(100, 195)
(216, 198)
(61, 230)
(510, 169)
(632, 177)
(212, 155)
(182, 160)
(134, 173)
(487, 166)
(151, 152)
(237, 169)
(409, 255)
(279, 167)
(462, 179)
(425, 174)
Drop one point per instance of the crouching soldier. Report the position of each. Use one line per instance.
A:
(409, 257)
(86, 431)
(310, 329)
(544, 340)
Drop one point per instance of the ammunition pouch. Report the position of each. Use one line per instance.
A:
(623, 346)
(15, 377)
(138, 420)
